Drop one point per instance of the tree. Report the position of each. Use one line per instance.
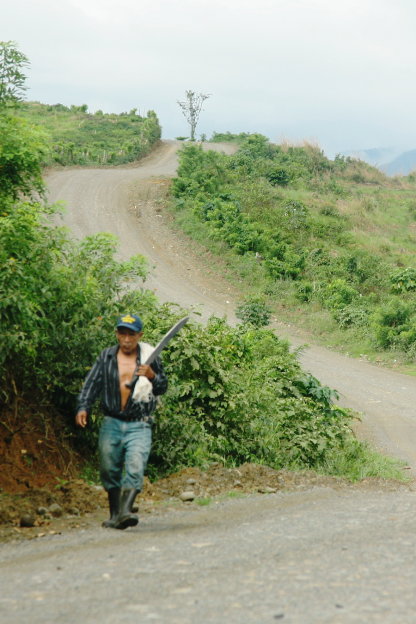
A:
(22, 150)
(12, 78)
(22, 146)
(191, 108)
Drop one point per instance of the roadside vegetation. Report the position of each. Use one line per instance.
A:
(327, 244)
(236, 394)
(77, 137)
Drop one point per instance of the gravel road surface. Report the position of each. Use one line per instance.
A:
(320, 556)
(325, 555)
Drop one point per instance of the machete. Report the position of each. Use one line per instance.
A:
(162, 344)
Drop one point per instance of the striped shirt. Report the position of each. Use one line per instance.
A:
(103, 382)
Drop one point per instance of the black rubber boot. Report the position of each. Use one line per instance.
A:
(126, 518)
(114, 504)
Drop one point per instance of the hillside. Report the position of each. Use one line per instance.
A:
(76, 137)
(327, 244)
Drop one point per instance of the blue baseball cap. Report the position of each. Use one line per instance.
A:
(131, 321)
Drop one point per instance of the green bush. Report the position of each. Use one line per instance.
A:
(404, 280)
(22, 149)
(337, 294)
(254, 311)
(55, 296)
(394, 324)
(278, 176)
(238, 395)
(304, 291)
(352, 315)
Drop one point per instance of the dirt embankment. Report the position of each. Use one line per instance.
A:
(65, 505)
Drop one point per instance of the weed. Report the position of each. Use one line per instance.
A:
(203, 502)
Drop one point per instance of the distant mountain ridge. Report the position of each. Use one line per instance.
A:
(391, 161)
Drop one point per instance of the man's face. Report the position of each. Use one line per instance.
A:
(127, 339)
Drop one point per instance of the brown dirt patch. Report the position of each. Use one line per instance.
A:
(34, 449)
(84, 505)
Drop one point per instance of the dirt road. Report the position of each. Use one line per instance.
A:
(317, 557)
(325, 555)
(126, 201)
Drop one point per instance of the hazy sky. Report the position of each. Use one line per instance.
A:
(340, 73)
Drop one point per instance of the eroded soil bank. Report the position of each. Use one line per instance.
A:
(73, 504)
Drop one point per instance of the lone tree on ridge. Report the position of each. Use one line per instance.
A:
(191, 108)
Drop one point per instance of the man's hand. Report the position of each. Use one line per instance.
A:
(145, 370)
(81, 418)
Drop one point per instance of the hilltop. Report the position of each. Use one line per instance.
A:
(77, 137)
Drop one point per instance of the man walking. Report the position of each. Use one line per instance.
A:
(126, 432)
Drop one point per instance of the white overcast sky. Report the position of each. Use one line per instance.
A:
(340, 73)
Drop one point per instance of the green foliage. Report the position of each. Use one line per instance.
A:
(359, 461)
(394, 324)
(22, 149)
(238, 395)
(77, 137)
(54, 297)
(337, 294)
(404, 281)
(278, 176)
(306, 221)
(228, 137)
(354, 314)
(254, 311)
(12, 77)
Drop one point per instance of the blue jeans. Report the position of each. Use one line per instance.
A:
(123, 445)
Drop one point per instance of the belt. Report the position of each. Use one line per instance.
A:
(125, 418)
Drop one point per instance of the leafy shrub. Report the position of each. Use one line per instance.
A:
(228, 137)
(329, 210)
(352, 315)
(338, 294)
(254, 311)
(304, 291)
(403, 281)
(394, 324)
(238, 395)
(296, 214)
(22, 149)
(278, 176)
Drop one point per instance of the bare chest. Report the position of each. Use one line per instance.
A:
(126, 369)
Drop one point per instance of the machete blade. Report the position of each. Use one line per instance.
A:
(161, 345)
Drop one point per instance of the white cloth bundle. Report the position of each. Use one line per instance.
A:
(143, 390)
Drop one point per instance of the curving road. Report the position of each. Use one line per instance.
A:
(327, 555)
(126, 201)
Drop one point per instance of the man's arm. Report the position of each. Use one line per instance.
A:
(90, 391)
(159, 381)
